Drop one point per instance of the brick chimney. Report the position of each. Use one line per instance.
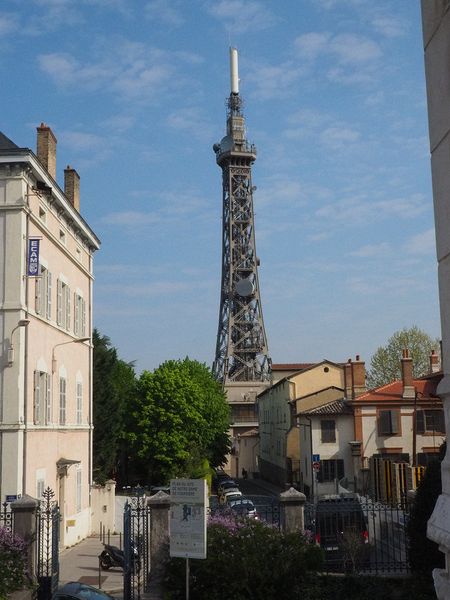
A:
(72, 187)
(46, 148)
(434, 362)
(348, 381)
(407, 375)
(358, 377)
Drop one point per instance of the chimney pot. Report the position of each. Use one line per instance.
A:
(434, 362)
(72, 187)
(358, 377)
(46, 148)
(407, 375)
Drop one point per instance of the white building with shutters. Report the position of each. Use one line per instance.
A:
(45, 326)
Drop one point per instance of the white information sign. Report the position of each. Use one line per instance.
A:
(188, 518)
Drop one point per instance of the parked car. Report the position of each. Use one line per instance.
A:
(232, 494)
(243, 507)
(341, 530)
(80, 591)
(225, 485)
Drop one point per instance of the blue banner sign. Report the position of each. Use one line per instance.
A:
(33, 258)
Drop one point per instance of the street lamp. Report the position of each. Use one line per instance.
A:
(21, 323)
(77, 341)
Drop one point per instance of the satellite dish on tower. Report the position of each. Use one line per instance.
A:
(244, 287)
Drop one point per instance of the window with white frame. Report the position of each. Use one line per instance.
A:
(79, 476)
(79, 403)
(430, 421)
(79, 324)
(42, 398)
(63, 305)
(43, 294)
(62, 400)
(40, 487)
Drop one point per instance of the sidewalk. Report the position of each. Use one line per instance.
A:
(80, 563)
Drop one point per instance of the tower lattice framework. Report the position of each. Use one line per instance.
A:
(241, 349)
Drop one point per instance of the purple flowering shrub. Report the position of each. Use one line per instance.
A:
(246, 559)
(13, 563)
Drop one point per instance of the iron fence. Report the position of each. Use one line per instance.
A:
(6, 517)
(136, 540)
(47, 563)
(361, 535)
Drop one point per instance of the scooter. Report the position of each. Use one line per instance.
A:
(112, 556)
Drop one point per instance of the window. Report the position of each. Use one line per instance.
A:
(42, 398)
(40, 487)
(388, 422)
(328, 429)
(430, 421)
(79, 403)
(62, 400)
(43, 296)
(425, 458)
(78, 490)
(330, 470)
(63, 305)
(79, 324)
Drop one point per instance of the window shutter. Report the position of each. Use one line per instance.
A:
(420, 421)
(76, 315)
(37, 396)
(59, 302)
(38, 295)
(49, 295)
(48, 399)
(68, 308)
(83, 317)
(395, 416)
(439, 421)
(383, 422)
(340, 468)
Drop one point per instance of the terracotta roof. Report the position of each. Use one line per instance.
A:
(425, 386)
(337, 407)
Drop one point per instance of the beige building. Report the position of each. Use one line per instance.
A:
(436, 36)
(46, 325)
(279, 454)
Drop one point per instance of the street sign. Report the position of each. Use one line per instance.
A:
(188, 518)
(316, 466)
(316, 458)
(11, 497)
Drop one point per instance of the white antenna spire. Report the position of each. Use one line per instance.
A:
(234, 74)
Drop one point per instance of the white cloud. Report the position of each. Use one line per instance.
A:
(131, 69)
(372, 250)
(190, 119)
(164, 11)
(351, 49)
(8, 23)
(273, 81)
(339, 137)
(311, 45)
(422, 243)
(240, 16)
(132, 218)
(389, 26)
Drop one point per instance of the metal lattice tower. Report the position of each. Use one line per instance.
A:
(241, 350)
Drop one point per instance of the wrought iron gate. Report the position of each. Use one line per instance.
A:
(136, 530)
(47, 563)
(361, 535)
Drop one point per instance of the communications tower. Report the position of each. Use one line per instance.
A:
(241, 362)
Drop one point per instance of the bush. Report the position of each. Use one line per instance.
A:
(246, 559)
(13, 563)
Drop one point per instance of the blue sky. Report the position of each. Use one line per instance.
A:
(335, 102)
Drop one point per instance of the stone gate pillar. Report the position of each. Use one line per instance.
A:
(292, 505)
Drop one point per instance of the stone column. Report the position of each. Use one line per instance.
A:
(159, 533)
(436, 35)
(292, 505)
(24, 515)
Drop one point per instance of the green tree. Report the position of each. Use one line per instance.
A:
(179, 418)
(385, 365)
(113, 386)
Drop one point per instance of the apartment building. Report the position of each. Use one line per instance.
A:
(46, 277)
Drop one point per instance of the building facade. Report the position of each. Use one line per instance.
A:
(46, 264)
